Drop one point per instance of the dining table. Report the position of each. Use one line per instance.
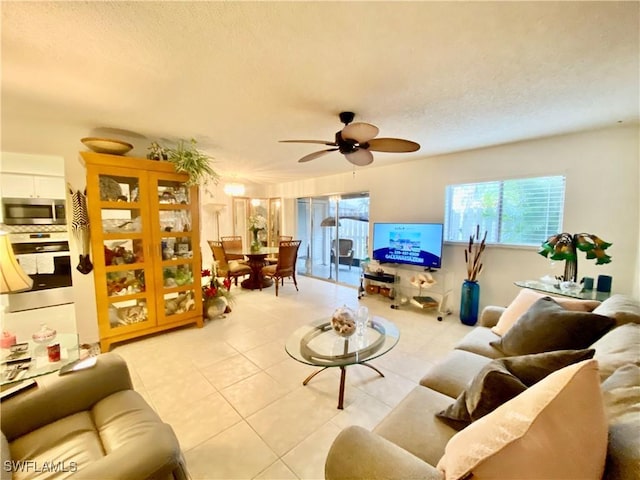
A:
(255, 260)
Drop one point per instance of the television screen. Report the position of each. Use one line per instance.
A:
(409, 243)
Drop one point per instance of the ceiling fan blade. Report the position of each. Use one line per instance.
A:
(314, 155)
(321, 142)
(360, 157)
(393, 145)
(360, 132)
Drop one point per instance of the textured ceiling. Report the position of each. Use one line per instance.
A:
(239, 76)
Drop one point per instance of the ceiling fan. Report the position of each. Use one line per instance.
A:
(356, 141)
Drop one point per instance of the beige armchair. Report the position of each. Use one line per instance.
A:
(93, 424)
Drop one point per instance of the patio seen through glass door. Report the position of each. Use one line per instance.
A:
(335, 234)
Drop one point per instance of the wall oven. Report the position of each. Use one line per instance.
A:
(33, 211)
(45, 257)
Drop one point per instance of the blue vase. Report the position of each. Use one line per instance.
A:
(469, 302)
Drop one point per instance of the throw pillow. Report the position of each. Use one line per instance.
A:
(623, 308)
(555, 429)
(503, 379)
(547, 326)
(527, 297)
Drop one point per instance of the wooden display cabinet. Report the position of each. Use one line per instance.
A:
(144, 241)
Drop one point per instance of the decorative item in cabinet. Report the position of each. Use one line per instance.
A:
(147, 275)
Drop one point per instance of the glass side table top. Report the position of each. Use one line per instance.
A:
(553, 290)
(39, 363)
(319, 345)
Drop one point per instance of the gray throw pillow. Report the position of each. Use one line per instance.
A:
(548, 326)
(502, 379)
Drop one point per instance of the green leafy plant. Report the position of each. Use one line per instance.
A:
(188, 159)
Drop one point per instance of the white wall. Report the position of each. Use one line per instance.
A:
(603, 179)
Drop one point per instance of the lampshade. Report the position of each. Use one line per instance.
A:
(12, 277)
(234, 189)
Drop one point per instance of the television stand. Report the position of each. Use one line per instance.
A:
(421, 288)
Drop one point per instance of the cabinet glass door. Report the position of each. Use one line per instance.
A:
(121, 250)
(178, 279)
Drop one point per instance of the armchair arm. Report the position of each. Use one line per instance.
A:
(59, 396)
(357, 453)
(490, 316)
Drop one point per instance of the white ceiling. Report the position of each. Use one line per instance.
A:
(239, 76)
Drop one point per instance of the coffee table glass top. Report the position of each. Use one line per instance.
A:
(38, 363)
(318, 344)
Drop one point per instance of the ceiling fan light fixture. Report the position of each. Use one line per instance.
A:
(360, 132)
(360, 157)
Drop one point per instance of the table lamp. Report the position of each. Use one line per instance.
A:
(12, 279)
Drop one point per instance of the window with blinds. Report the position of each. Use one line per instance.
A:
(523, 211)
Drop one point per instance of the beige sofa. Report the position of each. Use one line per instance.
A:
(410, 442)
(88, 424)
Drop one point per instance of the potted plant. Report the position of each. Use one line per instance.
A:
(216, 297)
(188, 159)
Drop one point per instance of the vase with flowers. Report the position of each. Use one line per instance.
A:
(257, 223)
(216, 297)
(470, 294)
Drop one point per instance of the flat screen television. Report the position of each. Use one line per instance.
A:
(408, 243)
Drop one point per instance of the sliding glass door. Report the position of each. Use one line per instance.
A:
(335, 232)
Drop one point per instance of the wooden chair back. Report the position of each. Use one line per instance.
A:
(219, 256)
(230, 243)
(287, 256)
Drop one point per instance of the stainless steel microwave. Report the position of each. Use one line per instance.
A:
(34, 211)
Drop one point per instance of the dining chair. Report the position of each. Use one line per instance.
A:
(228, 269)
(233, 242)
(273, 258)
(286, 266)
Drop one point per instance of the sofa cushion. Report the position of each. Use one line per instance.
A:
(413, 426)
(622, 308)
(5, 455)
(72, 440)
(479, 341)
(502, 379)
(454, 372)
(555, 429)
(548, 326)
(527, 297)
(621, 394)
(618, 347)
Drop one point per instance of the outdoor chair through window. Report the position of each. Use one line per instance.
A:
(344, 251)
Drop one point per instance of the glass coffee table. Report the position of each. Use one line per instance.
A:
(34, 361)
(319, 345)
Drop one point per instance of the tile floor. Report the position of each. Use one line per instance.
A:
(235, 398)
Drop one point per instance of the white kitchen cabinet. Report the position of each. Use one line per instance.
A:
(16, 185)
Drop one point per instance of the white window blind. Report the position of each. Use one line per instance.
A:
(523, 211)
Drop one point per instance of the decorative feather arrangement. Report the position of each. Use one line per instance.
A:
(473, 254)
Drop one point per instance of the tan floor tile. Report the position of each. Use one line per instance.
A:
(277, 471)
(268, 354)
(283, 424)
(184, 391)
(229, 371)
(307, 459)
(236, 453)
(253, 393)
(201, 420)
(365, 411)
